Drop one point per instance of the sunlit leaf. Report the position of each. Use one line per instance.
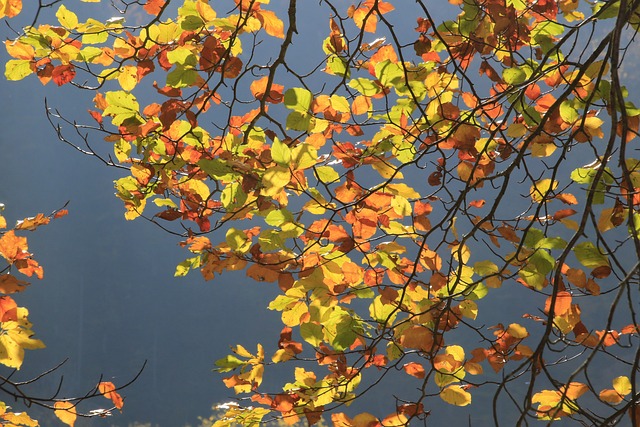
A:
(66, 412)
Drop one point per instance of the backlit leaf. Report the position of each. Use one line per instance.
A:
(66, 412)
(455, 395)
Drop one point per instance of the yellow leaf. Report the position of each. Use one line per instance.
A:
(128, 77)
(205, 11)
(66, 412)
(401, 206)
(546, 398)
(517, 331)
(456, 351)
(241, 351)
(21, 419)
(469, 309)
(274, 180)
(386, 170)
(402, 190)
(282, 355)
(622, 385)
(455, 395)
(67, 19)
(540, 189)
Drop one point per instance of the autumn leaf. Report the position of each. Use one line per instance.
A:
(10, 284)
(32, 223)
(10, 8)
(271, 23)
(66, 412)
(456, 395)
(414, 369)
(108, 390)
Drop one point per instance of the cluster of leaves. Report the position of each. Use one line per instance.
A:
(389, 189)
(16, 334)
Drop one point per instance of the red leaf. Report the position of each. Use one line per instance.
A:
(145, 67)
(63, 74)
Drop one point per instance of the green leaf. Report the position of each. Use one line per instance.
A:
(514, 76)
(121, 106)
(590, 256)
(389, 73)
(217, 168)
(366, 87)
(338, 66)
(382, 312)
(298, 99)
(297, 120)
(327, 174)
(485, 268)
(546, 29)
(551, 243)
(237, 240)
(182, 56)
(181, 77)
(280, 153)
(583, 175)
(229, 363)
(278, 217)
(312, 333)
(568, 113)
(535, 271)
(304, 156)
(183, 268)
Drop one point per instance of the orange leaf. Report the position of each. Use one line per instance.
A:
(417, 337)
(361, 105)
(66, 412)
(414, 369)
(563, 303)
(9, 284)
(10, 8)
(13, 247)
(563, 213)
(108, 390)
(574, 390)
(153, 7)
(61, 213)
(259, 86)
(610, 396)
(271, 23)
(394, 420)
(32, 223)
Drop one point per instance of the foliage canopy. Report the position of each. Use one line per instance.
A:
(392, 182)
